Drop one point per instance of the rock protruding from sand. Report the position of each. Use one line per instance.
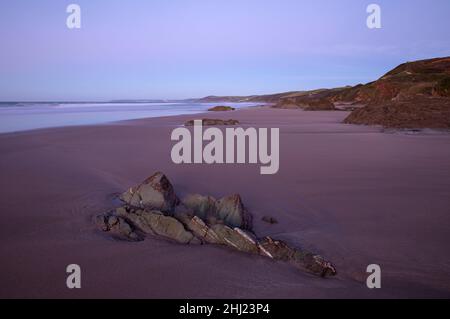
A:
(214, 122)
(118, 227)
(155, 193)
(221, 108)
(301, 259)
(198, 219)
(230, 210)
(269, 220)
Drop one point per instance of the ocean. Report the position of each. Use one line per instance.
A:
(16, 117)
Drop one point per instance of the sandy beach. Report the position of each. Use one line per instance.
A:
(357, 195)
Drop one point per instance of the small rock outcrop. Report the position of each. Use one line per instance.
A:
(305, 260)
(155, 193)
(153, 209)
(230, 210)
(117, 227)
(156, 223)
(214, 122)
(269, 220)
(204, 206)
(221, 108)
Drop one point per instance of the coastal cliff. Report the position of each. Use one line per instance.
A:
(412, 95)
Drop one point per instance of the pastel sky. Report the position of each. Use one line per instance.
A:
(151, 49)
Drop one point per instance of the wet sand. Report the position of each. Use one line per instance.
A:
(355, 194)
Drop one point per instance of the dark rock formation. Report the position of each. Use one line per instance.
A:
(156, 192)
(232, 211)
(221, 108)
(156, 223)
(236, 238)
(214, 122)
(153, 209)
(420, 112)
(203, 206)
(201, 230)
(304, 260)
(117, 227)
(269, 220)
(228, 210)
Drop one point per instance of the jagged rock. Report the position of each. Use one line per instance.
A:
(269, 220)
(155, 193)
(214, 122)
(169, 227)
(138, 218)
(228, 210)
(221, 108)
(202, 206)
(118, 227)
(305, 260)
(202, 231)
(156, 223)
(199, 219)
(236, 238)
(231, 210)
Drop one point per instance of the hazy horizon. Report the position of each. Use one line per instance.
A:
(144, 50)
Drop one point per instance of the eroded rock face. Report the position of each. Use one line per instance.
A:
(232, 211)
(237, 238)
(269, 220)
(202, 231)
(202, 206)
(301, 259)
(117, 227)
(199, 220)
(155, 193)
(228, 210)
(146, 223)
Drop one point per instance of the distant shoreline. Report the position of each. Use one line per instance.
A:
(14, 119)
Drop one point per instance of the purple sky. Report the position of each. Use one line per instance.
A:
(142, 49)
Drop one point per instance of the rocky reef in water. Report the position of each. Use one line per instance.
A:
(153, 209)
